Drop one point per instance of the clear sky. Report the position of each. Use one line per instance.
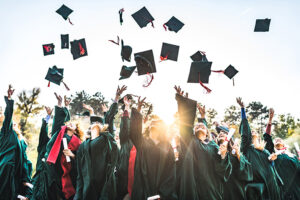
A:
(268, 63)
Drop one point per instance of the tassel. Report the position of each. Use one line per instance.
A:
(218, 71)
(233, 81)
(206, 88)
(117, 43)
(66, 86)
(149, 82)
(49, 84)
(164, 58)
(165, 27)
(82, 51)
(121, 15)
(70, 21)
(151, 21)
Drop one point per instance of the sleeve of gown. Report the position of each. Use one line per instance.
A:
(202, 120)
(110, 116)
(245, 169)
(187, 113)
(268, 139)
(43, 139)
(223, 167)
(124, 128)
(79, 182)
(7, 123)
(245, 131)
(61, 115)
(136, 124)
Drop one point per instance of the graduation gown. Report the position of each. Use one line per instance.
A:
(154, 172)
(122, 166)
(234, 188)
(202, 169)
(288, 169)
(11, 157)
(40, 179)
(265, 184)
(60, 174)
(96, 162)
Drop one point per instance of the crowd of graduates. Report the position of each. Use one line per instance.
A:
(184, 161)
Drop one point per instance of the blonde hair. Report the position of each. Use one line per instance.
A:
(78, 132)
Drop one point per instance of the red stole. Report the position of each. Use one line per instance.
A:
(131, 164)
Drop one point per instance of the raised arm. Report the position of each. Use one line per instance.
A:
(124, 127)
(7, 123)
(245, 131)
(201, 110)
(61, 114)
(267, 136)
(187, 113)
(43, 139)
(136, 127)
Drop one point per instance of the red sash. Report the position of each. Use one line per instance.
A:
(131, 164)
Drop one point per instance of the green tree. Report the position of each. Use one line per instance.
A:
(210, 116)
(258, 113)
(232, 115)
(28, 106)
(285, 126)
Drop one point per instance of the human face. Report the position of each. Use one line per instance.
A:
(71, 127)
(200, 129)
(278, 143)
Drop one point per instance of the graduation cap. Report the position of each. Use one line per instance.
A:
(64, 41)
(173, 24)
(169, 52)
(65, 11)
(126, 72)
(230, 72)
(48, 49)
(199, 56)
(56, 75)
(143, 17)
(97, 119)
(126, 52)
(121, 15)
(199, 73)
(145, 65)
(78, 48)
(262, 25)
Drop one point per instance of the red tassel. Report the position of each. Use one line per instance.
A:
(66, 86)
(164, 58)
(117, 43)
(165, 27)
(47, 48)
(82, 51)
(218, 71)
(49, 84)
(206, 88)
(70, 21)
(149, 82)
(151, 21)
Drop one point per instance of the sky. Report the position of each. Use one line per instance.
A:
(268, 62)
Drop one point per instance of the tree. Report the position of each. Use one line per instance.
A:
(285, 126)
(28, 106)
(258, 114)
(210, 116)
(232, 115)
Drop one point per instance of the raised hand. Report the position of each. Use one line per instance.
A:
(201, 110)
(67, 101)
(271, 115)
(141, 103)
(48, 110)
(59, 99)
(89, 108)
(10, 91)
(103, 108)
(223, 150)
(120, 91)
(240, 102)
(178, 90)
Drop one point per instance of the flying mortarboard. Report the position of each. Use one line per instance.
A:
(48, 49)
(262, 25)
(56, 75)
(230, 72)
(126, 72)
(125, 52)
(145, 64)
(121, 15)
(199, 73)
(78, 48)
(173, 24)
(65, 11)
(64, 41)
(199, 56)
(143, 17)
(169, 52)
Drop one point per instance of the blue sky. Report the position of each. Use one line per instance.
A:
(268, 63)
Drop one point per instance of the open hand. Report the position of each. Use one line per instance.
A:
(271, 115)
(201, 110)
(89, 108)
(59, 99)
(141, 103)
(120, 91)
(48, 110)
(67, 101)
(240, 102)
(10, 91)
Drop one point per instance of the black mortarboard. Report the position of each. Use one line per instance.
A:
(143, 17)
(126, 72)
(97, 119)
(199, 56)
(56, 75)
(199, 73)
(64, 11)
(169, 52)
(78, 48)
(174, 24)
(262, 25)
(64, 41)
(145, 62)
(48, 49)
(230, 71)
(126, 52)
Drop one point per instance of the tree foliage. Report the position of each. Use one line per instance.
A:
(258, 113)
(285, 126)
(232, 115)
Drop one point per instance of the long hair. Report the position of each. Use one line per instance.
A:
(78, 132)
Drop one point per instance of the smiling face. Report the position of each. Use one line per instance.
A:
(200, 130)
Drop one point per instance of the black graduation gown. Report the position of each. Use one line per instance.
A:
(11, 157)
(265, 184)
(122, 166)
(202, 169)
(40, 180)
(154, 172)
(288, 169)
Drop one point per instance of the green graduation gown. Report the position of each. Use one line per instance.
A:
(288, 169)
(11, 158)
(265, 184)
(202, 169)
(154, 172)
